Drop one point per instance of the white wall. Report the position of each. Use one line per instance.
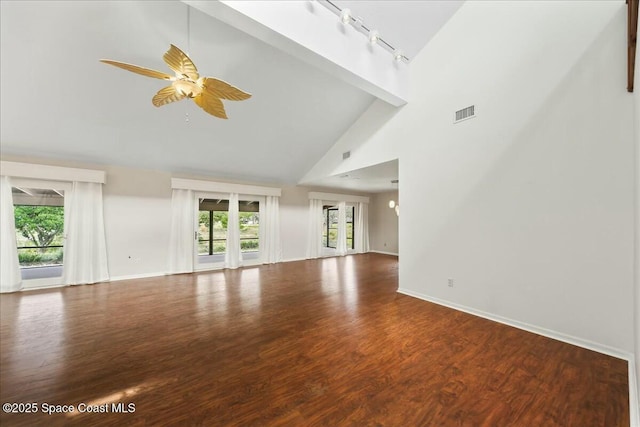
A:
(137, 221)
(383, 223)
(294, 222)
(137, 216)
(636, 97)
(529, 206)
(137, 209)
(137, 213)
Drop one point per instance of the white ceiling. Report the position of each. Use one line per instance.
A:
(372, 179)
(59, 101)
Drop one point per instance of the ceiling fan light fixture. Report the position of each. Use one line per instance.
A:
(187, 88)
(206, 92)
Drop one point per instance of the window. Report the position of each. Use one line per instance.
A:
(249, 227)
(350, 212)
(330, 228)
(213, 217)
(212, 232)
(39, 221)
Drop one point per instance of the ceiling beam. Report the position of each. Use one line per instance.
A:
(312, 33)
(632, 7)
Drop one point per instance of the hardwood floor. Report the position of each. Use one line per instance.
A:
(310, 343)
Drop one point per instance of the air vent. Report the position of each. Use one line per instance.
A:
(465, 113)
(346, 155)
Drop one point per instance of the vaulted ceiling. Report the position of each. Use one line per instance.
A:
(59, 101)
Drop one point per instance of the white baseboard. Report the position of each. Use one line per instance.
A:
(634, 409)
(43, 283)
(589, 345)
(385, 253)
(136, 276)
(199, 270)
(293, 259)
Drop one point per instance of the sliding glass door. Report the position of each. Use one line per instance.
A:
(330, 226)
(212, 229)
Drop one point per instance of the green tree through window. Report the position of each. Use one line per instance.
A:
(40, 224)
(213, 220)
(39, 232)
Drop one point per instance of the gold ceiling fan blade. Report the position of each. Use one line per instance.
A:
(223, 90)
(207, 92)
(139, 70)
(180, 63)
(211, 105)
(167, 95)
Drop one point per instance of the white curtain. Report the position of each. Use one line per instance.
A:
(314, 247)
(362, 228)
(183, 231)
(270, 250)
(233, 256)
(85, 248)
(341, 245)
(10, 278)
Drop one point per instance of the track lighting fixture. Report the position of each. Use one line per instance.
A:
(347, 17)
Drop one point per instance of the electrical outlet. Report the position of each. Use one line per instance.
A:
(450, 282)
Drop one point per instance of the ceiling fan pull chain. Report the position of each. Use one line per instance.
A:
(186, 114)
(188, 30)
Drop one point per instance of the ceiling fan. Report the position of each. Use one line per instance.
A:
(207, 92)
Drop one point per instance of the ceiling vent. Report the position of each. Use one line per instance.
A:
(464, 114)
(346, 155)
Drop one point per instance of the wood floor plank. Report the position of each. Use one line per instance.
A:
(312, 343)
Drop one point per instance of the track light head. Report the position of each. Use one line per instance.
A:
(345, 16)
(374, 36)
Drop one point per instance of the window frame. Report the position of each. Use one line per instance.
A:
(37, 281)
(325, 240)
(210, 240)
(216, 261)
(41, 247)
